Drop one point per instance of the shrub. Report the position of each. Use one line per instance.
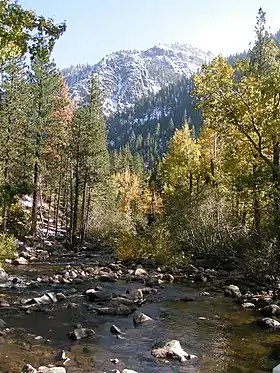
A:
(154, 243)
(8, 246)
(17, 223)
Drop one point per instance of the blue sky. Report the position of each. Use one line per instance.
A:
(98, 27)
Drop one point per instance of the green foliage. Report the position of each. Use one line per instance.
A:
(23, 31)
(8, 246)
(156, 242)
(17, 222)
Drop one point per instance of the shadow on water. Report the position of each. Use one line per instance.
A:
(222, 335)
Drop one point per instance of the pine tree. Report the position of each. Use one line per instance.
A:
(45, 84)
(91, 156)
(14, 135)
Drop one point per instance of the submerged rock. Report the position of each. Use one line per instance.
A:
(140, 318)
(115, 330)
(248, 306)
(232, 291)
(45, 299)
(44, 369)
(79, 333)
(267, 323)
(121, 310)
(187, 298)
(2, 323)
(95, 295)
(136, 296)
(270, 310)
(171, 349)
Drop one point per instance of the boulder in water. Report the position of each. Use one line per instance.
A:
(271, 310)
(232, 291)
(268, 323)
(115, 330)
(45, 299)
(136, 296)
(121, 310)
(3, 303)
(44, 369)
(248, 306)
(20, 261)
(95, 295)
(3, 275)
(140, 318)
(79, 333)
(200, 278)
(171, 349)
(140, 272)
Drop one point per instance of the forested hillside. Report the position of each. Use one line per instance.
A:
(171, 181)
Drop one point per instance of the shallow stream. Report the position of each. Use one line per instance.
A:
(217, 330)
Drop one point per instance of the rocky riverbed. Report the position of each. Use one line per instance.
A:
(83, 311)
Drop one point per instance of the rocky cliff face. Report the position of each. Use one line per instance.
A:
(125, 77)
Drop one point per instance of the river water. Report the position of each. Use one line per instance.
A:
(223, 336)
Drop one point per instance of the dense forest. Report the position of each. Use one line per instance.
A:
(172, 192)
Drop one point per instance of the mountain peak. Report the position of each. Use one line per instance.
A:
(126, 76)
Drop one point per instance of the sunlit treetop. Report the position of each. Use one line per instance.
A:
(23, 31)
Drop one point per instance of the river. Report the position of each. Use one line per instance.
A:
(218, 331)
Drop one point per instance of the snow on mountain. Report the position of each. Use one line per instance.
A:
(129, 75)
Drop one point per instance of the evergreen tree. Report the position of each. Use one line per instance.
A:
(14, 135)
(91, 156)
(45, 85)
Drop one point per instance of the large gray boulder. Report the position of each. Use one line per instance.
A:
(171, 349)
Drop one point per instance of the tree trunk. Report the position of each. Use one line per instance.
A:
(49, 212)
(35, 196)
(58, 197)
(76, 202)
(276, 186)
(213, 171)
(87, 212)
(191, 183)
(256, 202)
(83, 215)
(5, 203)
(71, 204)
(65, 196)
